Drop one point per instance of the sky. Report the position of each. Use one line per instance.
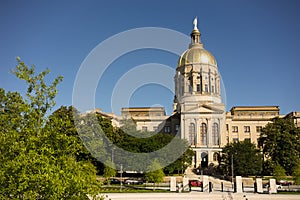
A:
(256, 44)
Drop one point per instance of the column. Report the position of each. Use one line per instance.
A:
(272, 186)
(205, 183)
(173, 184)
(259, 187)
(239, 184)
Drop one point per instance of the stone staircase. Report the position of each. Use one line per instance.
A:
(227, 185)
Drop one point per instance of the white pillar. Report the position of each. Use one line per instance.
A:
(173, 184)
(259, 187)
(185, 184)
(272, 186)
(239, 184)
(205, 184)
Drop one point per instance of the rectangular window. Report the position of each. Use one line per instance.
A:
(258, 129)
(206, 88)
(212, 89)
(235, 129)
(247, 129)
(235, 139)
(247, 139)
(177, 128)
(167, 129)
(155, 128)
(198, 88)
(227, 127)
(144, 128)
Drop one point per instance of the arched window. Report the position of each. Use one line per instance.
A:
(192, 132)
(215, 157)
(215, 134)
(203, 134)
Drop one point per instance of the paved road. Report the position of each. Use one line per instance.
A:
(197, 195)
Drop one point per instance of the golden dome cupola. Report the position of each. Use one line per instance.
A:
(196, 54)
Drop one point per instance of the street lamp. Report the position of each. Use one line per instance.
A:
(121, 174)
(232, 168)
(112, 155)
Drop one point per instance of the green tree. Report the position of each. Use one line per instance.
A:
(38, 160)
(280, 141)
(279, 172)
(247, 159)
(181, 164)
(296, 174)
(109, 171)
(155, 174)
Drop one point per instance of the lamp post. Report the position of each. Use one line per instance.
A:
(232, 168)
(121, 174)
(112, 155)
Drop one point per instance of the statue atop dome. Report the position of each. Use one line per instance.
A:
(195, 23)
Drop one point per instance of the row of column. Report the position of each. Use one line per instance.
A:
(207, 185)
(203, 134)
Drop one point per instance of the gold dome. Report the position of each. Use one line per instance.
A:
(194, 55)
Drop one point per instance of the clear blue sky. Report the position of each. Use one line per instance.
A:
(256, 44)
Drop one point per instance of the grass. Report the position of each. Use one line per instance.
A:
(289, 192)
(128, 189)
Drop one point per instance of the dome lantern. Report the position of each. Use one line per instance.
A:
(196, 54)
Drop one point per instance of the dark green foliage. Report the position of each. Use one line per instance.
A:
(129, 139)
(155, 174)
(280, 141)
(39, 154)
(181, 164)
(247, 159)
(279, 172)
(296, 174)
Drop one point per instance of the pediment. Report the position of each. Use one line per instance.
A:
(205, 109)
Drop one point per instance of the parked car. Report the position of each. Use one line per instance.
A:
(195, 183)
(284, 183)
(115, 181)
(133, 181)
(278, 186)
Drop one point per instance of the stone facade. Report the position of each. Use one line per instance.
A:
(199, 114)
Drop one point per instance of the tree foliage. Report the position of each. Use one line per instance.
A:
(39, 154)
(155, 176)
(279, 172)
(109, 171)
(129, 139)
(247, 159)
(280, 141)
(296, 174)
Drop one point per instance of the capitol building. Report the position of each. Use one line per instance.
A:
(199, 115)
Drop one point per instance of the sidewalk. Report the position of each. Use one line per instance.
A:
(197, 195)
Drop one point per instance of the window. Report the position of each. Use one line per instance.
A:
(215, 134)
(167, 129)
(155, 128)
(198, 88)
(258, 129)
(212, 89)
(177, 127)
(247, 140)
(206, 88)
(144, 128)
(192, 134)
(203, 134)
(215, 157)
(247, 129)
(235, 129)
(235, 139)
(227, 127)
